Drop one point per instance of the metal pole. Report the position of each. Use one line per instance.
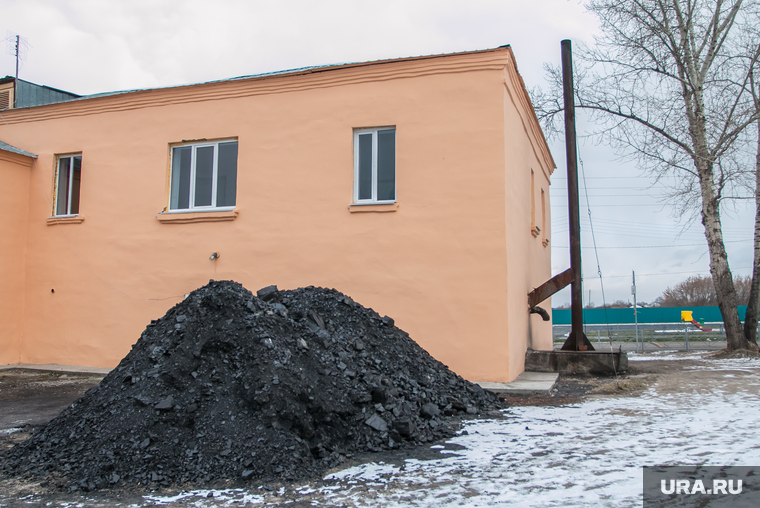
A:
(15, 81)
(635, 315)
(576, 291)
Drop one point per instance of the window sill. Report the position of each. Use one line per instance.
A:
(65, 219)
(360, 208)
(193, 217)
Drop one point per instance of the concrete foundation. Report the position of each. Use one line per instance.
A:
(527, 383)
(577, 362)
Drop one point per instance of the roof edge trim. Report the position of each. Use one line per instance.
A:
(12, 149)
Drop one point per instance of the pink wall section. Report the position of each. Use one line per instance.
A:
(15, 172)
(452, 265)
(529, 258)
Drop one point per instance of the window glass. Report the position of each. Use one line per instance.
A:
(204, 175)
(67, 185)
(365, 166)
(76, 177)
(180, 193)
(386, 165)
(62, 190)
(543, 215)
(375, 165)
(532, 200)
(226, 182)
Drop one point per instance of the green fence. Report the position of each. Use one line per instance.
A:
(645, 315)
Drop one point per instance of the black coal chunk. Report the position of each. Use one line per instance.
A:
(229, 387)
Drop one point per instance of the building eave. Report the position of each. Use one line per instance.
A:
(12, 149)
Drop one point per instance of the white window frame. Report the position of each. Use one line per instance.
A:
(373, 200)
(214, 177)
(69, 179)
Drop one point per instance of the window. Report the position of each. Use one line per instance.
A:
(544, 240)
(203, 176)
(5, 99)
(534, 230)
(375, 165)
(69, 175)
(6, 93)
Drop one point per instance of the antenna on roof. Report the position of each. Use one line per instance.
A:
(18, 47)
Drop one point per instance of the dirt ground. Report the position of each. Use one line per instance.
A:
(28, 399)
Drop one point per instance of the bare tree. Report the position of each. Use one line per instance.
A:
(743, 288)
(696, 290)
(753, 297)
(670, 82)
(700, 291)
(618, 304)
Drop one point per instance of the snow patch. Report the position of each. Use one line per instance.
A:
(586, 454)
(236, 496)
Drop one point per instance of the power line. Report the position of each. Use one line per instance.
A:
(622, 227)
(650, 246)
(617, 233)
(621, 205)
(600, 178)
(659, 274)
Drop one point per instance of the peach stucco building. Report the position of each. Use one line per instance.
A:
(417, 186)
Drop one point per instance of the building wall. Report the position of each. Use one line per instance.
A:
(30, 94)
(528, 254)
(15, 172)
(436, 264)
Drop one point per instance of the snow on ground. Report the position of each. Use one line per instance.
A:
(729, 364)
(587, 454)
(665, 355)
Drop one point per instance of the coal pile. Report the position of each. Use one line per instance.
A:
(232, 387)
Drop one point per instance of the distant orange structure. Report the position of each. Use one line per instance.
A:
(686, 315)
(418, 186)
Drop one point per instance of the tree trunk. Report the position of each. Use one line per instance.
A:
(719, 269)
(753, 305)
(721, 274)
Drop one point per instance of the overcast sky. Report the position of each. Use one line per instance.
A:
(91, 46)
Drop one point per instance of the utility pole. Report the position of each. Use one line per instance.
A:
(577, 341)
